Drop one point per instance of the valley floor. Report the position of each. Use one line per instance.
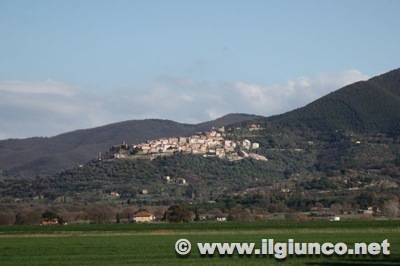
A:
(153, 244)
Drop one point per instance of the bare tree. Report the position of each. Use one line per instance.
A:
(391, 208)
(101, 214)
(7, 218)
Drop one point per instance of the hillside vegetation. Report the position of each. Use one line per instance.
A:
(367, 106)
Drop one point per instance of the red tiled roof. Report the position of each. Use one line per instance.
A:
(143, 213)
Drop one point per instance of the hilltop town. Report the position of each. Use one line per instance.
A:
(212, 143)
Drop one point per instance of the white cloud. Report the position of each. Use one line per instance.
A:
(274, 99)
(43, 108)
(50, 107)
(47, 87)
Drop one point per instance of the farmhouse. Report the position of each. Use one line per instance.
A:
(50, 221)
(221, 218)
(254, 127)
(143, 216)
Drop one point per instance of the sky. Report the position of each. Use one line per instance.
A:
(66, 65)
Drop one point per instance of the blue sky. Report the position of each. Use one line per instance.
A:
(74, 64)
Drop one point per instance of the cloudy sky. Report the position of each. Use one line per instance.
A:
(66, 65)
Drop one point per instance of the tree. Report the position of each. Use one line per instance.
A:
(397, 160)
(49, 215)
(7, 218)
(336, 208)
(178, 214)
(26, 216)
(19, 219)
(366, 199)
(100, 214)
(241, 214)
(391, 208)
(127, 213)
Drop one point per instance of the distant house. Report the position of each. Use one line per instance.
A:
(143, 216)
(50, 218)
(335, 219)
(181, 181)
(221, 218)
(254, 127)
(255, 146)
(216, 215)
(368, 211)
(246, 144)
(52, 221)
(114, 194)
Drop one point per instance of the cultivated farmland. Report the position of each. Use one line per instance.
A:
(153, 244)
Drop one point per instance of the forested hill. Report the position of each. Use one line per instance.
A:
(365, 106)
(46, 156)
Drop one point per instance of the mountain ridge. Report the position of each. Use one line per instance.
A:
(47, 155)
(364, 106)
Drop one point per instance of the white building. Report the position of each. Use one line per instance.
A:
(255, 145)
(246, 144)
(143, 216)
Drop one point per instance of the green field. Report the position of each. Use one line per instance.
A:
(153, 244)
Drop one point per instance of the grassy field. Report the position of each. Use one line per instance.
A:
(153, 244)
